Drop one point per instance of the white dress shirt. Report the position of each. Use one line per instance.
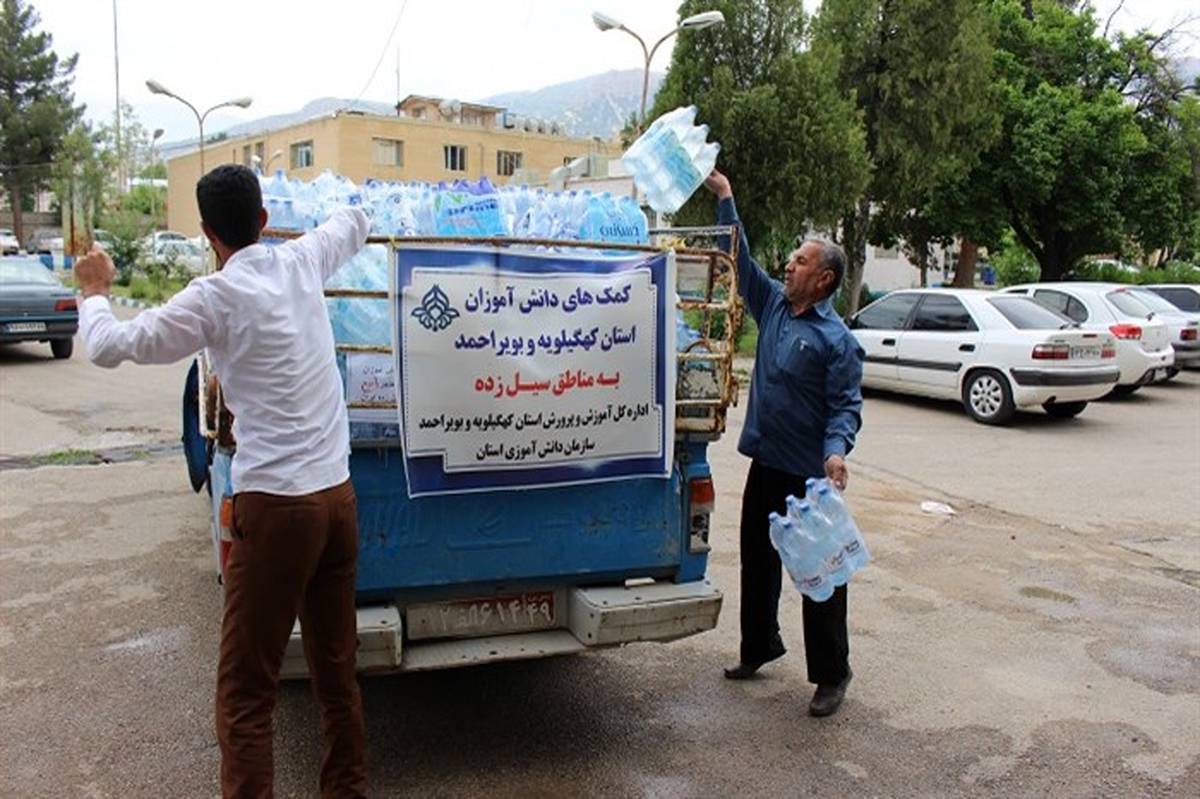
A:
(264, 322)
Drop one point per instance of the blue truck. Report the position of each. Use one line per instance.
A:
(465, 578)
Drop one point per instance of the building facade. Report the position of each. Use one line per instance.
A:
(428, 140)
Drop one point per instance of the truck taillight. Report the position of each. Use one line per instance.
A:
(1051, 352)
(1188, 334)
(1126, 331)
(68, 304)
(702, 499)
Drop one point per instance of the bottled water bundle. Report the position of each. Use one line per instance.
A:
(671, 159)
(818, 541)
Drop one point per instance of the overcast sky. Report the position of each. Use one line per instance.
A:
(284, 53)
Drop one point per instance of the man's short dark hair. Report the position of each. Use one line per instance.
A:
(230, 201)
(833, 258)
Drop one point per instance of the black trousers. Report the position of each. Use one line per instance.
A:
(826, 640)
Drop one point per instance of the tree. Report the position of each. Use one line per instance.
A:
(791, 143)
(80, 175)
(1088, 158)
(920, 72)
(37, 107)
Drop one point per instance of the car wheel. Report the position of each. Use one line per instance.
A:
(987, 397)
(1064, 410)
(62, 347)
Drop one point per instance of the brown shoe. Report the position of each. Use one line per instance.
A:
(828, 698)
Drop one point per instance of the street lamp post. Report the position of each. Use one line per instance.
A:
(158, 132)
(241, 102)
(696, 22)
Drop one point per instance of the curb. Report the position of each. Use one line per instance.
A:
(125, 301)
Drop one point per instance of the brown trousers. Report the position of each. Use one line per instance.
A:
(290, 556)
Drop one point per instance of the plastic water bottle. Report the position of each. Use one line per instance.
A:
(816, 527)
(635, 218)
(833, 506)
(798, 558)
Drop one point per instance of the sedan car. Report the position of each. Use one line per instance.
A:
(1184, 296)
(1144, 350)
(34, 305)
(994, 353)
(1183, 327)
(8, 242)
(184, 253)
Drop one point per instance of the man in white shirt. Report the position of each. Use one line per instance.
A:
(263, 320)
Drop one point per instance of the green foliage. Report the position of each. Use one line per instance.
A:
(128, 230)
(37, 108)
(1013, 263)
(791, 142)
(147, 201)
(1089, 158)
(920, 73)
(1108, 272)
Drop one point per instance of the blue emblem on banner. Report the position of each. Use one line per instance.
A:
(434, 312)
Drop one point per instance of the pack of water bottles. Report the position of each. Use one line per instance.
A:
(818, 541)
(463, 209)
(671, 159)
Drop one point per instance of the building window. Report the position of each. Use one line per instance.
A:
(302, 154)
(417, 113)
(246, 155)
(455, 157)
(260, 150)
(387, 152)
(507, 162)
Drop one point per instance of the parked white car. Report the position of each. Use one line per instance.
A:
(183, 252)
(1183, 327)
(1144, 350)
(8, 242)
(1184, 296)
(994, 353)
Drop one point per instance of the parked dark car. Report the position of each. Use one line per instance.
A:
(35, 306)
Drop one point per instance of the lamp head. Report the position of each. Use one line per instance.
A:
(157, 87)
(705, 19)
(242, 102)
(158, 132)
(604, 22)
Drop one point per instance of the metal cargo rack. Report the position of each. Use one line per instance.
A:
(706, 288)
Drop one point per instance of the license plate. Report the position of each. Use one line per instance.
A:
(1159, 374)
(470, 618)
(1085, 353)
(25, 327)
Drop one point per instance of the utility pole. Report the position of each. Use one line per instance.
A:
(117, 73)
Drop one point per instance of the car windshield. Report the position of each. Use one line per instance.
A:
(1127, 303)
(1024, 313)
(1154, 302)
(25, 270)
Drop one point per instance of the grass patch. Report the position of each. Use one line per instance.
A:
(67, 457)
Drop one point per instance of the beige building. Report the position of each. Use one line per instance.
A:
(429, 139)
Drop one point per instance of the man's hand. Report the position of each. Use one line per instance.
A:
(94, 272)
(835, 470)
(718, 184)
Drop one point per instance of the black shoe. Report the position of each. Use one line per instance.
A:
(828, 698)
(745, 670)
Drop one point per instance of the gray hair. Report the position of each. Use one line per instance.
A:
(833, 258)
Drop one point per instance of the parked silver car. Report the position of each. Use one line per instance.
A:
(35, 306)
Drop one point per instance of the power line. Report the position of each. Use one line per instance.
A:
(383, 54)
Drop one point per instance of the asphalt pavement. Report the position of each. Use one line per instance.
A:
(1044, 640)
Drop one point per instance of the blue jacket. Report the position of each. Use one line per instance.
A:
(806, 394)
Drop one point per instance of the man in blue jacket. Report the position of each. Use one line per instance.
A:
(804, 411)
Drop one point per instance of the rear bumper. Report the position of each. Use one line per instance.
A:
(1187, 353)
(596, 617)
(55, 328)
(1064, 377)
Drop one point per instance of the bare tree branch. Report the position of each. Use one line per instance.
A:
(1115, 11)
